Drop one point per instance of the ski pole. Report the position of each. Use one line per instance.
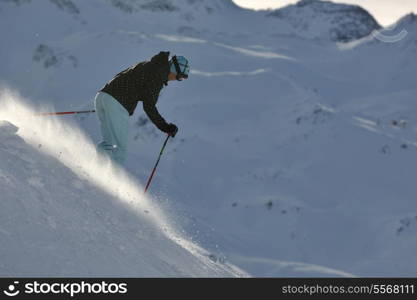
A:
(65, 113)
(157, 162)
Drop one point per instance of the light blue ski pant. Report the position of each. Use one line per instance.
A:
(114, 125)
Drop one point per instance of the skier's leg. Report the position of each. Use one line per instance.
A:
(114, 124)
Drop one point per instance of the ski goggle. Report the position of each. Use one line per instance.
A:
(181, 74)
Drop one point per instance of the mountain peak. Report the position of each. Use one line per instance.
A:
(327, 20)
(408, 19)
(307, 2)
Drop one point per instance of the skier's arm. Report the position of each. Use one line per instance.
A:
(153, 114)
(152, 88)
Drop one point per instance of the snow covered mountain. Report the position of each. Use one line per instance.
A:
(295, 155)
(408, 24)
(206, 6)
(325, 19)
(134, 6)
(408, 20)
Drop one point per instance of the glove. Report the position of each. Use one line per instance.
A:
(172, 129)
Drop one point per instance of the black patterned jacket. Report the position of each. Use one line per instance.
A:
(142, 82)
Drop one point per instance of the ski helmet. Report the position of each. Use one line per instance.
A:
(179, 65)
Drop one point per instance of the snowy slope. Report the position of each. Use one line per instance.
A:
(295, 156)
(69, 213)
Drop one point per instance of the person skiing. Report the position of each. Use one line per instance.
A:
(118, 99)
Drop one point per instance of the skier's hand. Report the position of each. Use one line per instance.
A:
(172, 129)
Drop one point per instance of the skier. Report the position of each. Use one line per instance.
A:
(118, 99)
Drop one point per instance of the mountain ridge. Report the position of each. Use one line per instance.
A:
(326, 19)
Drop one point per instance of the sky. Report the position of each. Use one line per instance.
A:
(386, 12)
